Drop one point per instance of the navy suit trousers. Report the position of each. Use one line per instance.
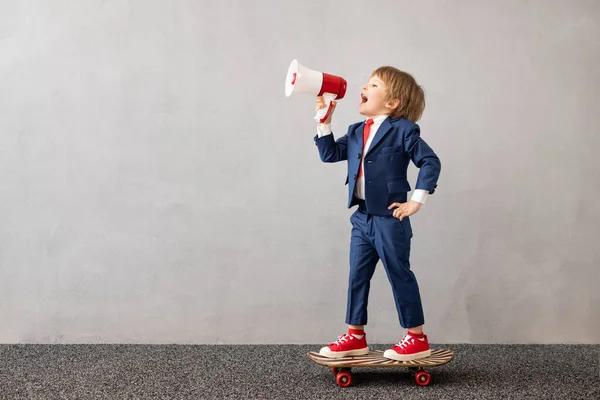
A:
(387, 239)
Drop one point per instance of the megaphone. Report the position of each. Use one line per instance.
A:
(305, 80)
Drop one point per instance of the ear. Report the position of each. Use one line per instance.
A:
(393, 104)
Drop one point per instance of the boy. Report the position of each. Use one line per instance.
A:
(378, 152)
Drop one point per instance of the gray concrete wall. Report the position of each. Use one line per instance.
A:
(156, 186)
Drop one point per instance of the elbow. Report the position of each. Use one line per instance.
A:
(328, 157)
(434, 164)
(438, 165)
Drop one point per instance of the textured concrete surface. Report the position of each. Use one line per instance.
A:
(156, 185)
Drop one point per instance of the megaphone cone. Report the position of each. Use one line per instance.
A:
(301, 79)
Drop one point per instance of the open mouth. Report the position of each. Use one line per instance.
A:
(363, 99)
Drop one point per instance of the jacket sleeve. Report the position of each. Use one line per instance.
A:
(332, 150)
(424, 158)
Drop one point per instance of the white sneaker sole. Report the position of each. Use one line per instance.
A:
(325, 352)
(392, 355)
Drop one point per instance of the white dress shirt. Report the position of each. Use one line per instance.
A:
(419, 195)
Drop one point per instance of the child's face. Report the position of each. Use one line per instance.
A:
(374, 99)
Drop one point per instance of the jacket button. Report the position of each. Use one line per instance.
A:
(369, 162)
(355, 176)
(358, 155)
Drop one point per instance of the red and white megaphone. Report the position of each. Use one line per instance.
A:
(305, 80)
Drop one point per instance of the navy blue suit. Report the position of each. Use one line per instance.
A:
(376, 234)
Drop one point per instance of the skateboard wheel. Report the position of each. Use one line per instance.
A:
(343, 379)
(422, 378)
(334, 370)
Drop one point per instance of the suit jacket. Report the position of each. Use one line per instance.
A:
(395, 144)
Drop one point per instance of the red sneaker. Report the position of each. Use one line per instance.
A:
(353, 343)
(410, 348)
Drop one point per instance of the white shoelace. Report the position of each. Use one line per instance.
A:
(406, 341)
(343, 338)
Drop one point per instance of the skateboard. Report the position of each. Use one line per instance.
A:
(341, 366)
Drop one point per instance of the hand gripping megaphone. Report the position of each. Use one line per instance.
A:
(305, 80)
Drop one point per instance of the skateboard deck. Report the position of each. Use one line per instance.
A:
(341, 366)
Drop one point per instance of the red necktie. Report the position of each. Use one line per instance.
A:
(366, 131)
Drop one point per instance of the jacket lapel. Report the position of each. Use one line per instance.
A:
(385, 127)
(359, 134)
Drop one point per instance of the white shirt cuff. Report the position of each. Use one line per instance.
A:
(420, 195)
(323, 130)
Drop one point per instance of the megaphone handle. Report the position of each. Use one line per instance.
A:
(323, 113)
